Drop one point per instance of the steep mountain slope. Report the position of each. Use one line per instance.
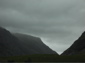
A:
(9, 45)
(78, 47)
(34, 43)
(12, 46)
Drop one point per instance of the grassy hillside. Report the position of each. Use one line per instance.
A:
(44, 58)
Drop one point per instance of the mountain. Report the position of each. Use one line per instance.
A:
(20, 44)
(78, 47)
(34, 43)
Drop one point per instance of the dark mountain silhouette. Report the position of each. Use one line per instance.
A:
(78, 47)
(20, 44)
(34, 43)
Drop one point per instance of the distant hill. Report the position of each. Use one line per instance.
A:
(34, 43)
(20, 44)
(78, 47)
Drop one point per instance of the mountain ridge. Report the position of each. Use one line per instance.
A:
(35, 41)
(77, 47)
(11, 45)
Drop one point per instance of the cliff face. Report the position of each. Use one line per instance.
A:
(20, 44)
(78, 47)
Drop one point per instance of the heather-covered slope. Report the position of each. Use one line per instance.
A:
(78, 47)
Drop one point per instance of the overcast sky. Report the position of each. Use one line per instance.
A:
(57, 22)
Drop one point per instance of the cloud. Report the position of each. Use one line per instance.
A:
(58, 22)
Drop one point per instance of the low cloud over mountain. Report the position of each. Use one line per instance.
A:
(20, 44)
(55, 21)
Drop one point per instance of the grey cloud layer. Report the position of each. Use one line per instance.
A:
(59, 21)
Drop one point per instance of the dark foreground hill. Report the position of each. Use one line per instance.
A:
(78, 47)
(20, 44)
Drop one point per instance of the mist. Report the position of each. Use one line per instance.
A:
(57, 22)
